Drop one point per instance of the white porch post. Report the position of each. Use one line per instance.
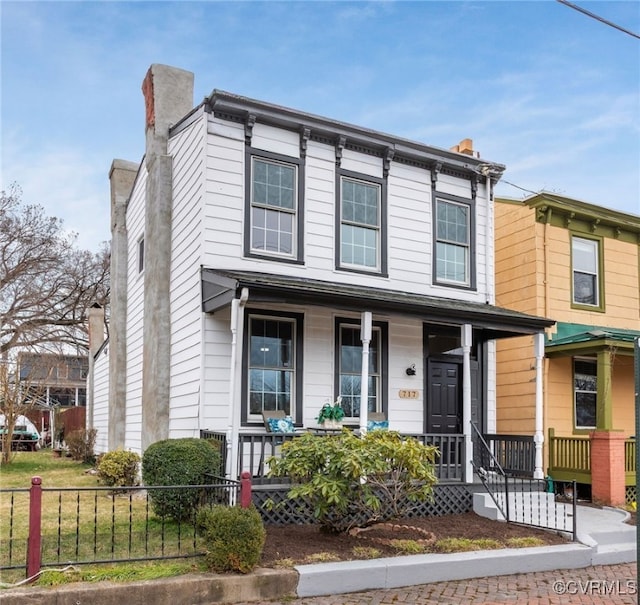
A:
(466, 337)
(538, 438)
(233, 430)
(365, 335)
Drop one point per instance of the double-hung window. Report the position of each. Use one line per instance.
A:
(349, 368)
(453, 243)
(273, 363)
(585, 387)
(274, 206)
(360, 231)
(585, 256)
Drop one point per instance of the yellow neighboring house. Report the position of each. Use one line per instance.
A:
(578, 264)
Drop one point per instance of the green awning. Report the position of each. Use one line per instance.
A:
(582, 339)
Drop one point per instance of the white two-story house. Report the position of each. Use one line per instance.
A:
(264, 258)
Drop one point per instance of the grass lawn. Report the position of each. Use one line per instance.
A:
(89, 525)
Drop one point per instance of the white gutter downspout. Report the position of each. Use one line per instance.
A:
(236, 323)
(466, 337)
(538, 438)
(365, 335)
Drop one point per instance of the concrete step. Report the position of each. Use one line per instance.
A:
(612, 554)
(621, 535)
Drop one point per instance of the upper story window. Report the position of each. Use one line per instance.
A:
(453, 242)
(360, 232)
(274, 207)
(273, 361)
(585, 258)
(585, 387)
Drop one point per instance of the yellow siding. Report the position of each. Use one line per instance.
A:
(624, 408)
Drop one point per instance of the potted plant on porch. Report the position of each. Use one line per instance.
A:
(331, 415)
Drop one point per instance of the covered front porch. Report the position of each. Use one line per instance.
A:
(426, 363)
(596, 444)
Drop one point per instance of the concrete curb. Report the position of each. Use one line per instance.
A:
(394, 572)
(191, 589)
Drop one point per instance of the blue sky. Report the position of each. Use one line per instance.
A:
(538, 86)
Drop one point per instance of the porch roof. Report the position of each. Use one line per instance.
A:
(574, 339)
(219, 287)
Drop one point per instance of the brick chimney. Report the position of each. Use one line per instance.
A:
(465, 146)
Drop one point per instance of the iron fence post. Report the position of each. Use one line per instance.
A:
(574, 489)
(35, 527)
(245, 490)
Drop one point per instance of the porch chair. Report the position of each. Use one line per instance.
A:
(276, 421)
(377, 421)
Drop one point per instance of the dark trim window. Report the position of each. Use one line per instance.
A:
(585, 260)
(272, 365)
(585, 387)
(361, 223)
(274, 185)
(141, 254)
(454, 241)
(348, 364)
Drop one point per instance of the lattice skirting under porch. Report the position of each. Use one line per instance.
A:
(449, 499)
(630, 494)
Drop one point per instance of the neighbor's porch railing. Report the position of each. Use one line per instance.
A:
(570, 459)
(255, 448)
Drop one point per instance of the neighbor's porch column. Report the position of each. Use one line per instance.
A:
(604, 399)
(466, 337)
(538, 438)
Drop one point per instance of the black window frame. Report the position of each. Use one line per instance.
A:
(366, 179)
(594, 364)
(298, 236)
(383, 402)
(297, 400)
(472, 246)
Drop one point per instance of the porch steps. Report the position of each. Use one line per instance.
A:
(529, 508)
(603, 529)
(613, 540)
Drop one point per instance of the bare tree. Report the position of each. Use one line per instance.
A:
(46, 284)
(21, 391)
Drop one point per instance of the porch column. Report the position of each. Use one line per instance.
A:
(365, 335)
(466, 337)
(607, 468)
(233, 430)
(604, 400)
(538, 437)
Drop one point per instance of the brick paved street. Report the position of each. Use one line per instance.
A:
(600, 585)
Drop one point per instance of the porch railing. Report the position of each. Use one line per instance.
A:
(515, 453)
(630, 462)
(255, 449)
(569, 458)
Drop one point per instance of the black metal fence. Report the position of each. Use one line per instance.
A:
(46, 527)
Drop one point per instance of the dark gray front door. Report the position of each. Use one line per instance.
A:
(444, 404)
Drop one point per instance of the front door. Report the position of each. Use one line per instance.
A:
(444, 403)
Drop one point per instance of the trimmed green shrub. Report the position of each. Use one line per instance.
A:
(119, 468)
(183, 461)
(234, 537)
(81, 443)
(351, 481)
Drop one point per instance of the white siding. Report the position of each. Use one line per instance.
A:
(409, 213)
(185, 372)
(101, 400)
(135, 304)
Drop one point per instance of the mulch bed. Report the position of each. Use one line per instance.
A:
(306, 543)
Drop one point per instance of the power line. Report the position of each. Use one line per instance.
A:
(598, 18)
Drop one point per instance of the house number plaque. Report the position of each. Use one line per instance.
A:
(408, 394)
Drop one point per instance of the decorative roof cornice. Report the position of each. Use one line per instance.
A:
(583, 217)
(229, 106)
